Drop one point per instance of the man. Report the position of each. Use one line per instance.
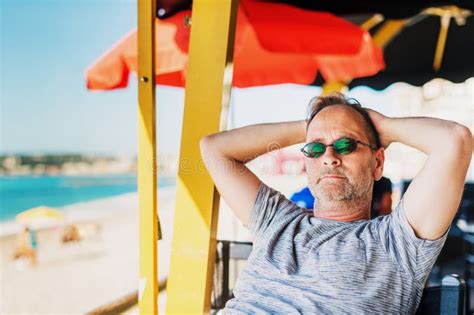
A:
(337, 261)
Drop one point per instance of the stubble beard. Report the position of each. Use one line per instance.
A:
(344, 190)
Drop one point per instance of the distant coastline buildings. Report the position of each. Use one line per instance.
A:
(67, 164)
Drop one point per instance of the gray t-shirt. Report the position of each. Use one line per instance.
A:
(303, 264)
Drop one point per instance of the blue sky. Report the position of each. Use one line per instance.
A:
(45, 107)
(45, 47)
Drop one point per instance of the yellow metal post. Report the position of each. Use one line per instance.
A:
(388, 31)
(334, 86)
(207, 90)
(372, 21)
(440, 45)
(147, 177)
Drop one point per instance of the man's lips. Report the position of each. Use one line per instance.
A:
(331, 176)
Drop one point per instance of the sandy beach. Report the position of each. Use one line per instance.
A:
(78, 277)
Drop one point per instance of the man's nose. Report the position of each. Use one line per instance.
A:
(330, 157)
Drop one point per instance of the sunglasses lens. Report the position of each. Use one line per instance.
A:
(314, 149)
(345, 146)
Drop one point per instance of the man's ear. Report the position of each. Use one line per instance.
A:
(379, 162)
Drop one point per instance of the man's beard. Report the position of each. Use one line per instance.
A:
(340, 190)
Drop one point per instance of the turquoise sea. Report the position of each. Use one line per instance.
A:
(18, 193)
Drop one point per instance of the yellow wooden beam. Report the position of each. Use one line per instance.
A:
(372, 21)
(335, 86)
(388, 31)
(208, 86)
(440, 45)
(147, 177)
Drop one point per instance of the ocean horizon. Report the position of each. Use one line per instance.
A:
(19, 193)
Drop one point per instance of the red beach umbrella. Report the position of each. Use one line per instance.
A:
(253, 64)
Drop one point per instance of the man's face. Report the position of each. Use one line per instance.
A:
(334, 177)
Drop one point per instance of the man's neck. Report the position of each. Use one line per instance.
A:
(342, 211)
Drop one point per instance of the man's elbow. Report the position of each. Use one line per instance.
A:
(463, 141)
(208, 147)
(464, 136)
(205, 145)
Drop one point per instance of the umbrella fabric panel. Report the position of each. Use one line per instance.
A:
(112, 70)
(284, 28)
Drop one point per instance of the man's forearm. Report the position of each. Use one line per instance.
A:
(428, 134)
(246, 143)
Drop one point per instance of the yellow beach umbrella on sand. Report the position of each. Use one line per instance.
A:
(41, 215)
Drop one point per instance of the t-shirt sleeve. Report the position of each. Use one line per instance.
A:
(414, 255)
(270, 207)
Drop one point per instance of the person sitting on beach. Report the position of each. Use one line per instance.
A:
(337, 260)
(22, 245)
(26, 246)
(70, 234)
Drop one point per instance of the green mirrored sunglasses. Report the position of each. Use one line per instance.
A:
(340, 146)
